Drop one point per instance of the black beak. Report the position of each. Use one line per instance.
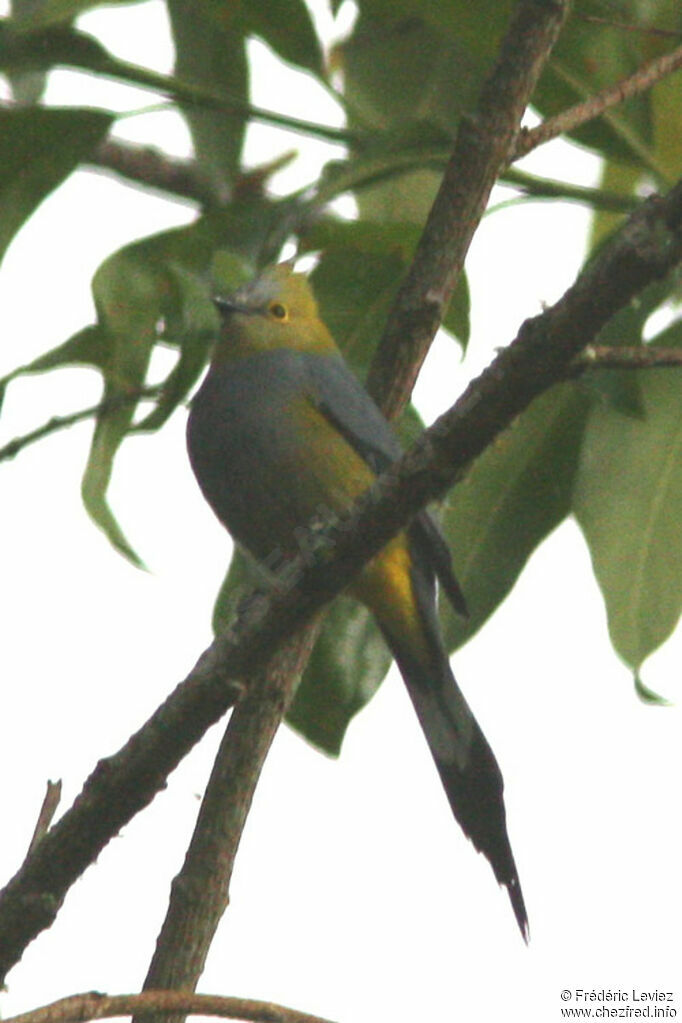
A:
(227, 306)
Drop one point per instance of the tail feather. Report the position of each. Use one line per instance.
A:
(466, 764)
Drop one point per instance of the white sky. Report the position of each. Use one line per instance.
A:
(355, 895)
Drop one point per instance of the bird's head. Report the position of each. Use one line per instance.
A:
(275, 310)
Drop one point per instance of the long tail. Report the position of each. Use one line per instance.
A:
(467, 766)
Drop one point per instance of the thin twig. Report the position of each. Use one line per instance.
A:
(22, 51)
(56, 423)
(640, 357)
(147, 166)
(626, 26)
(568, 120)
(366, 172)
(13, 447)
(53, 794)
(93, 1005)
(548, 188)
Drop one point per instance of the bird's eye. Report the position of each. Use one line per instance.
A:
(279, 311)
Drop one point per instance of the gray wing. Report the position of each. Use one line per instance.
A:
(343, 400)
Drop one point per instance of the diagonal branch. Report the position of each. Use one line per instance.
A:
(646, 249)
(481, 150)
(200, 892)
(152, 168)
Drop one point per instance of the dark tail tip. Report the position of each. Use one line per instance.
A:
(467, 766)
(518, 905)
(475, 793)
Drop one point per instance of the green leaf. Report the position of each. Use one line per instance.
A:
(515, 494)
(243, 579)
(229, 270)
(23, 47)
(210, 51)
(54, 12)
(355, 282)
(622, 178)
(178, 267)
(648, 696)
(163, 278)
(193, 324)
(286, 26)
(46, 48)
(457, 315)
(221, 242)
(593, 54)
(87, 347)
(382, 162)
(110, 429)
(38, 149)
(627, 501)
(414, 61)
(210, 42)
(181, 267)
(361, 266)
(588, 58)
(347, 665)
(27, 86)
(625, 329)
(127, 297)
(666, 112)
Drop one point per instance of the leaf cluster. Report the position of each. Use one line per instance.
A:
(604, 446)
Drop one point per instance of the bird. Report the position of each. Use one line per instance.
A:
(280, 427)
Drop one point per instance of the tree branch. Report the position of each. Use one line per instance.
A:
(481, 150)
(147, 166)
(627, 26)
(568, 120)
(56, 423)
(362, 174)
(119, 787)
(46, 48)
(646, 249)
(200, 892)
(549, 188)
(639, 357)
(93, 1005)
